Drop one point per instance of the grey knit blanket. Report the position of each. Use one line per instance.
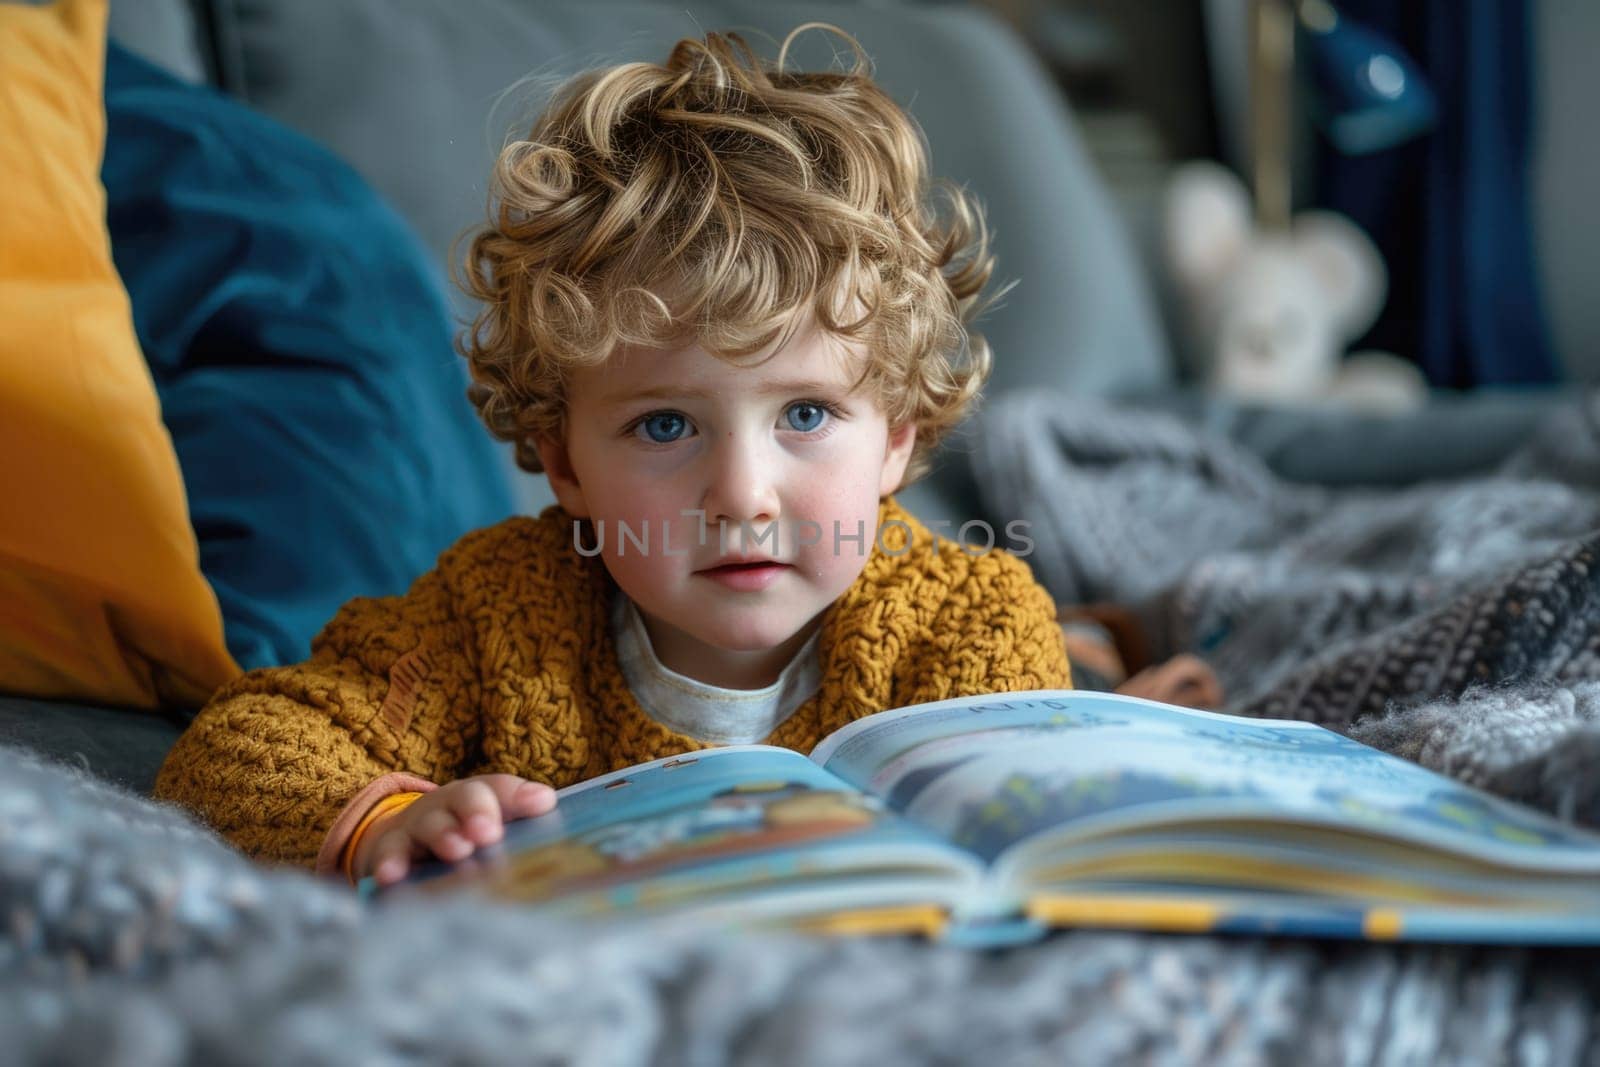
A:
(133, 937)
(1326, 605)
(1452, 624)
(1360, 610)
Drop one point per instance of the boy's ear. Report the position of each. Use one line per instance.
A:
(902, 440)
(557, 463)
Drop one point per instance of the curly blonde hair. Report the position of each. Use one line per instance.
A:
(716, 198)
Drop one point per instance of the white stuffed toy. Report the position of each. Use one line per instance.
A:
(1270, 314)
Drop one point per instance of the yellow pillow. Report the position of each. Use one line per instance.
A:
(101, 595)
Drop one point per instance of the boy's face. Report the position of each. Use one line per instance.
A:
(777, 454)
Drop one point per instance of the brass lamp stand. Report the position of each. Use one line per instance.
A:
(1272, 28)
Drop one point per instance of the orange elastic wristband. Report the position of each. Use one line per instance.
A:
(391, 803)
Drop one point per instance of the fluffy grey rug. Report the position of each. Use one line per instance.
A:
(132, 936)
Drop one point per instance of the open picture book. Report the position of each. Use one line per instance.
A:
(988, 820)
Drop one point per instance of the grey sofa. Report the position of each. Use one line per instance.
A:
(418, 95)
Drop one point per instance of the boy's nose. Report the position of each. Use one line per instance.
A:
(742, 488)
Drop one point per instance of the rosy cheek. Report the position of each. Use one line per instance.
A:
(654, 514)
(640, 498)
(637, 574)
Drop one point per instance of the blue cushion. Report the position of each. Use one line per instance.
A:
(302, 349)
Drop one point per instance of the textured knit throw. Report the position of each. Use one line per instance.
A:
(1339, 607)
(132, 936)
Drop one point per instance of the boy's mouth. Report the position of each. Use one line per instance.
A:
(749, 575)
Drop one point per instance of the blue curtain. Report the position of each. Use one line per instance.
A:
(1450, 209)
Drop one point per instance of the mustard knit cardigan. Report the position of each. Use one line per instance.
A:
(500, 659)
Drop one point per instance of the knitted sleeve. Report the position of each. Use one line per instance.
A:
(274, 757)
(996, 632)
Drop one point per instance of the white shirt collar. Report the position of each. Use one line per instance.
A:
(708, 713)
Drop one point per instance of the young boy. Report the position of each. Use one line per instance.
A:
(721, 314)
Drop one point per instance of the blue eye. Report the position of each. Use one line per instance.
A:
(664, 427)
(805, 416)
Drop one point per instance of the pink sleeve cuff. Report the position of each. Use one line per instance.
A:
(345, 825)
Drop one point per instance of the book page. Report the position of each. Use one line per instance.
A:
(688, 828)
(989, 772)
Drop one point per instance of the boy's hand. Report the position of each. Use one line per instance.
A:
(452, 823)
(1184, 680)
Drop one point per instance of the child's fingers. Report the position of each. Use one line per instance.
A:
(391, 856)
(533, 798)
(517, 797)
(440, 832)
(1185, 679)
(477, 809)
(456, 820)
